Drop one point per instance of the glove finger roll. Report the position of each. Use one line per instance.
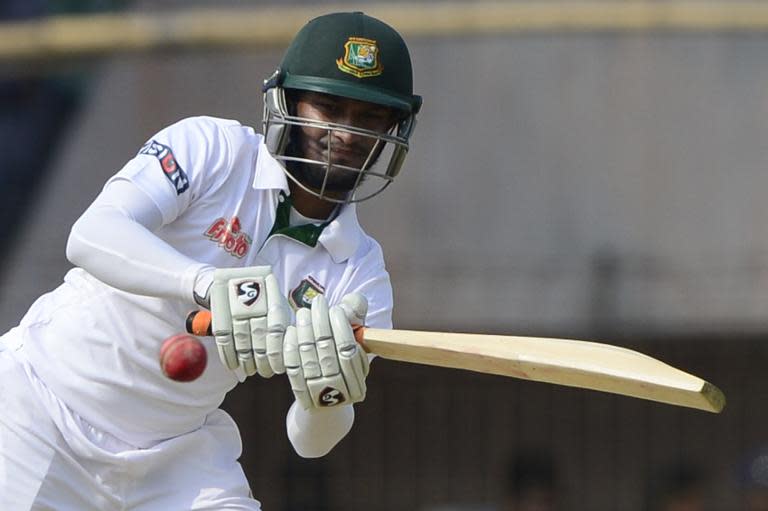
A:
(326, 347)
(310, 362)
(258, 332)
(355, 307)
(241, 331)
(349, 353)
(221, 319)
(353, 377)
(293, 368)
(226, 348)
(278, 319)
(222, 325)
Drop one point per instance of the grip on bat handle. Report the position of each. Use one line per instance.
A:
(199, 323)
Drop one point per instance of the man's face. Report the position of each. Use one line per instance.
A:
(346, 149)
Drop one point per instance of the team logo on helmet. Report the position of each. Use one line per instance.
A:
(361, 58)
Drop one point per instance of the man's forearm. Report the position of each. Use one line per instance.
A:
(112, 244)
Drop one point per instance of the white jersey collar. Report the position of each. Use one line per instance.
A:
(269, 173)
(342, 236)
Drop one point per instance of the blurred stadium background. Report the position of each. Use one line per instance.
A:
(580, 169)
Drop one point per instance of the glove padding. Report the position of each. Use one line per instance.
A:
(325, 365)
(249, 317)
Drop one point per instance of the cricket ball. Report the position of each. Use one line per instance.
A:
(183, 357)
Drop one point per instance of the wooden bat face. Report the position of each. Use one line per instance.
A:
(582, 364)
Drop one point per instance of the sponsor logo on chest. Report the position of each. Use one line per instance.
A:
(228, 235)
(302, 295)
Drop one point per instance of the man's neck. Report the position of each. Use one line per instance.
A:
(309, 205)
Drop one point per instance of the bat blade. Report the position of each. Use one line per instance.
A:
(582, 364)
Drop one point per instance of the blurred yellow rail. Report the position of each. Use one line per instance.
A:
(70, 36)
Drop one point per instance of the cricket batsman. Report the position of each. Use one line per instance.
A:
(259, 228)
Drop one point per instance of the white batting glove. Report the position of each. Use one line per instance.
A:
(324, 363)
(249, 317)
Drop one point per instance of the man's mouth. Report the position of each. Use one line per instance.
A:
(340, 155)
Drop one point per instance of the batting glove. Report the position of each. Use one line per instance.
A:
(249, 317)
(324, 364)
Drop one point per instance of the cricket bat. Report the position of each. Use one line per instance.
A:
(582, 364)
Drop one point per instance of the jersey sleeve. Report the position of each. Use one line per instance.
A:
(181, 164)
(116, 232)
(371, 279)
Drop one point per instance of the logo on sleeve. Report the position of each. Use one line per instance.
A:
(248, 292)
(302, 295)
(168, 163)
(228, 235)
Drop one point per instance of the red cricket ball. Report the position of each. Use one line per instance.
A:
(183, 357)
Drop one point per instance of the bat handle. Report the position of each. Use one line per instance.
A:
(199, 323)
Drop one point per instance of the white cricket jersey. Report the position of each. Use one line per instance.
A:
(218, 189)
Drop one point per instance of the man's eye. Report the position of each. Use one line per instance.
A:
(327, 107)
(380, 119)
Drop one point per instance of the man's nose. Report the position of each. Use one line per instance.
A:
(343, 137)
(346, 118)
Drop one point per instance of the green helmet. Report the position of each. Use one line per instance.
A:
(354, 56)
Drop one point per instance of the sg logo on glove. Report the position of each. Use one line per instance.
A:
(250, 316)
(248, 292)
(325, 365)
(331, 397)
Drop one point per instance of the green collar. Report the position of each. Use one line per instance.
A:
(307, 234)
